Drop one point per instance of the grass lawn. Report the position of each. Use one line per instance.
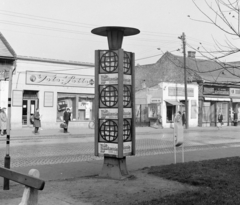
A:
(218, 181)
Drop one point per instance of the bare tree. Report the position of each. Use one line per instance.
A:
(225, 15)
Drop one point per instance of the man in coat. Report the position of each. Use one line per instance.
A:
(66, 119)
(37, 121)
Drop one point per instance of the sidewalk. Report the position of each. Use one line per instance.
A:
(28, 132)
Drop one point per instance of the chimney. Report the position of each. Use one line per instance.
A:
(191, 54)
(144, 84)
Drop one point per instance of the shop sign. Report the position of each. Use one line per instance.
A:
(4, 74)
(113, 113)
(112, 148)
(177, 91)
(211, 90)
(155, 100)
(234, 92)
(107, 79)
(58, 79)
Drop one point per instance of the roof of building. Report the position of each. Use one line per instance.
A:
(6, 51)
(169, 68)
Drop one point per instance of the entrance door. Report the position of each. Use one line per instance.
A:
(28, 108)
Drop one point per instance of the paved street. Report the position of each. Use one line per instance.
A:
(31, 150)
(64, 158)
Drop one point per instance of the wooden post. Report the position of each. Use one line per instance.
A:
(30, 195)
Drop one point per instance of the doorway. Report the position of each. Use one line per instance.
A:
(28, 108)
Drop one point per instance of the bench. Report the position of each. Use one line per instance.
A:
(31, 181)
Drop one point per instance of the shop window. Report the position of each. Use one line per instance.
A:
(153, 110)
(80, 106)
(193, 109)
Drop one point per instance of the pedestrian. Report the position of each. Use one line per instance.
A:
(37, 121)
(66, 119)
(220, 119)
(184, 119)
(3, 119)
(235, 118)
(178, 118)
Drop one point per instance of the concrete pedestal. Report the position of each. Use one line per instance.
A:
(114, 168)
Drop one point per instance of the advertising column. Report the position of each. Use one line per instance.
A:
(114, 102)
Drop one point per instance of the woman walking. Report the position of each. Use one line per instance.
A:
(37, 121)
(3, 121)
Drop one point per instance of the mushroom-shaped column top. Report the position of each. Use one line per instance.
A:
(115, 35)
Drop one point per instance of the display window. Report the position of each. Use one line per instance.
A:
(80, 105)
(223, 109)
(153, 110)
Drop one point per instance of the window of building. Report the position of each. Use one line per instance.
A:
(81, 106)
(206, 112)
(222, 107)
(171, 110)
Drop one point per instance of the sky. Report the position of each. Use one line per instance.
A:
(61, 29)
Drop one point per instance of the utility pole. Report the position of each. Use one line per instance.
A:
(183, 38)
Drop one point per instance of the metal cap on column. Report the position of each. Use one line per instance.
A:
(115, 35)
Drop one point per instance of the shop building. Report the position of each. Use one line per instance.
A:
(219, 99)
(165, 100)
(52, 86)
(218, 86)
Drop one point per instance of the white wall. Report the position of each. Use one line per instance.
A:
(165, 86)
(4, 94)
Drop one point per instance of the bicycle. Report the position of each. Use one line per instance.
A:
(91, 124)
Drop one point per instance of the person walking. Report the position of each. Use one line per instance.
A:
(37, 121)
(178, 118)
(184, 119)
(66, 119)
(235, 118)
(3, 121)
(220, 119)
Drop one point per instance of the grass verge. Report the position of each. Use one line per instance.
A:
(218, 181)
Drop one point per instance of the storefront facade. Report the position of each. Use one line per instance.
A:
(164, 100)
(219, 99)
(235, 106)
(52, 86)
(173, 100)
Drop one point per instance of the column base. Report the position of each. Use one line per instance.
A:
(114, 168)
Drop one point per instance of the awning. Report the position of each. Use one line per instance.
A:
(173, 102)
(217, 99)
(235, 99)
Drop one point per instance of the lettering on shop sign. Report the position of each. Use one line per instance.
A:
(211, 90)
(176, 91)
(58, 79)
(234, 92)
